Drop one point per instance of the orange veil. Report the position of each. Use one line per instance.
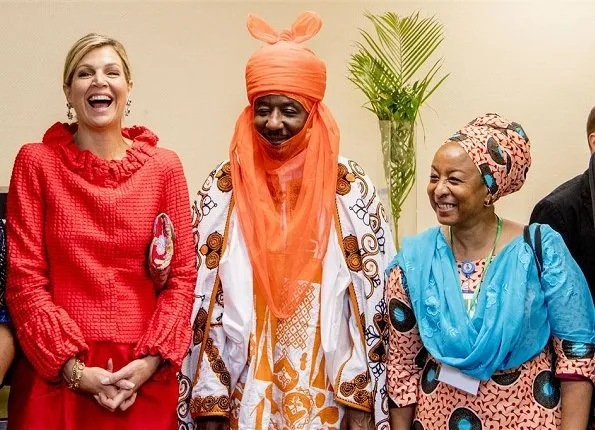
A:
(285, 195)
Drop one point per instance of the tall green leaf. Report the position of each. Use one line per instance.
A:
(392, 67)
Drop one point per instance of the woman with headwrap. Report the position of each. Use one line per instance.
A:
(292, 243)
(491, 323)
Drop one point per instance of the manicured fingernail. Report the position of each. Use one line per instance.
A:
(105, 381)
(130, 385)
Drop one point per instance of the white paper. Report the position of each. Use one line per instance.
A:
(454, 377)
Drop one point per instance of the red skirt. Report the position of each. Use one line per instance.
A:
(36, 403)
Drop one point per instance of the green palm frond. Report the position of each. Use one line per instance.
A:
(392, 67)
(387, 65)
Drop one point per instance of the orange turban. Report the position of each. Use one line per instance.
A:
(285, 195)
(284, 64)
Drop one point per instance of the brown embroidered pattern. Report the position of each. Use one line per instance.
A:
(212, 250)
(344, 180)
(208, 183)
(184, 395)
(217, 364)
(196, 217)
(209, 405)
(198, 327)
(360, 177)
(203, 208)
(357, 389)
(352, 253)
(224, 178)
(219, 297)
(203, 204)
(370, 248)
(378, 332)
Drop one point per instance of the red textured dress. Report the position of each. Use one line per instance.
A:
(78, 229)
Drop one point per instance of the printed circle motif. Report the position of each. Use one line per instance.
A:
(224, 182)
(505, 379)
(215, 241)
(546, 389)
(464, 419)
(421, 357)
(577, 351)
(352, 253)
(429, 381)
(401, 316)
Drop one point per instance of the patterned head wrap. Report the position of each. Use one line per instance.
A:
(500, 150)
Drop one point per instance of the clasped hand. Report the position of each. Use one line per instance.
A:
(115, 390)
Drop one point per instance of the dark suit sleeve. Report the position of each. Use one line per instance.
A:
(546, 212)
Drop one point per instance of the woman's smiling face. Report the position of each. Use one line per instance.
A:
(456, 189)
(99, 89)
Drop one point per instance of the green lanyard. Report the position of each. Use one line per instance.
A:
(472, 302)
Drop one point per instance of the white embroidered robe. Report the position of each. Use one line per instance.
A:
(298, 373)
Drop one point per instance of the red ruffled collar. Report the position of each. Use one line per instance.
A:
(97, 170)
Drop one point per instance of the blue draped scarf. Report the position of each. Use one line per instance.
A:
(516, 313)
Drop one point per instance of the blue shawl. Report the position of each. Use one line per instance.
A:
(515, 314)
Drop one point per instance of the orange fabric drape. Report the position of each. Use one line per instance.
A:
(285, 195)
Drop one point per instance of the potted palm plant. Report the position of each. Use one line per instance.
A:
(393, 69)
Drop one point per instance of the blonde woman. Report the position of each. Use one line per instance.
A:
(80, 216)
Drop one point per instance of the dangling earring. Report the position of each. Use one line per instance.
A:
(127, 108)
(489, 202)
(69, 114)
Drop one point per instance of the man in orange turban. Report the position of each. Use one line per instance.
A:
(290, 320)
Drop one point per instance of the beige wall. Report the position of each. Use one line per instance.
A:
(529, 61)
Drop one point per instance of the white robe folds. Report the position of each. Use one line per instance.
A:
(329, 355)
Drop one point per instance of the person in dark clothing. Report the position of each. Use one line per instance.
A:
(569, 210)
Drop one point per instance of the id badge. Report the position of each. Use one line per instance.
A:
(467, 294)
(455, 378)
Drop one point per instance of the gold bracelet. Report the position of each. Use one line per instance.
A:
(77, 373)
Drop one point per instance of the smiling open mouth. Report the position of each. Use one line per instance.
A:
(275, 139)
(99, 101)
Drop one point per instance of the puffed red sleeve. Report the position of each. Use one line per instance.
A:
(168, 333)
(47, 334)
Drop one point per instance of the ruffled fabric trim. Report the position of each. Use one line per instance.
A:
(167, 335)
(95, 169)
(49, 339)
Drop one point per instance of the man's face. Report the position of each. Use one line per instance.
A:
(278, 118)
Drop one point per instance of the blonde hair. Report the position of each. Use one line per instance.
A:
(85, 45)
